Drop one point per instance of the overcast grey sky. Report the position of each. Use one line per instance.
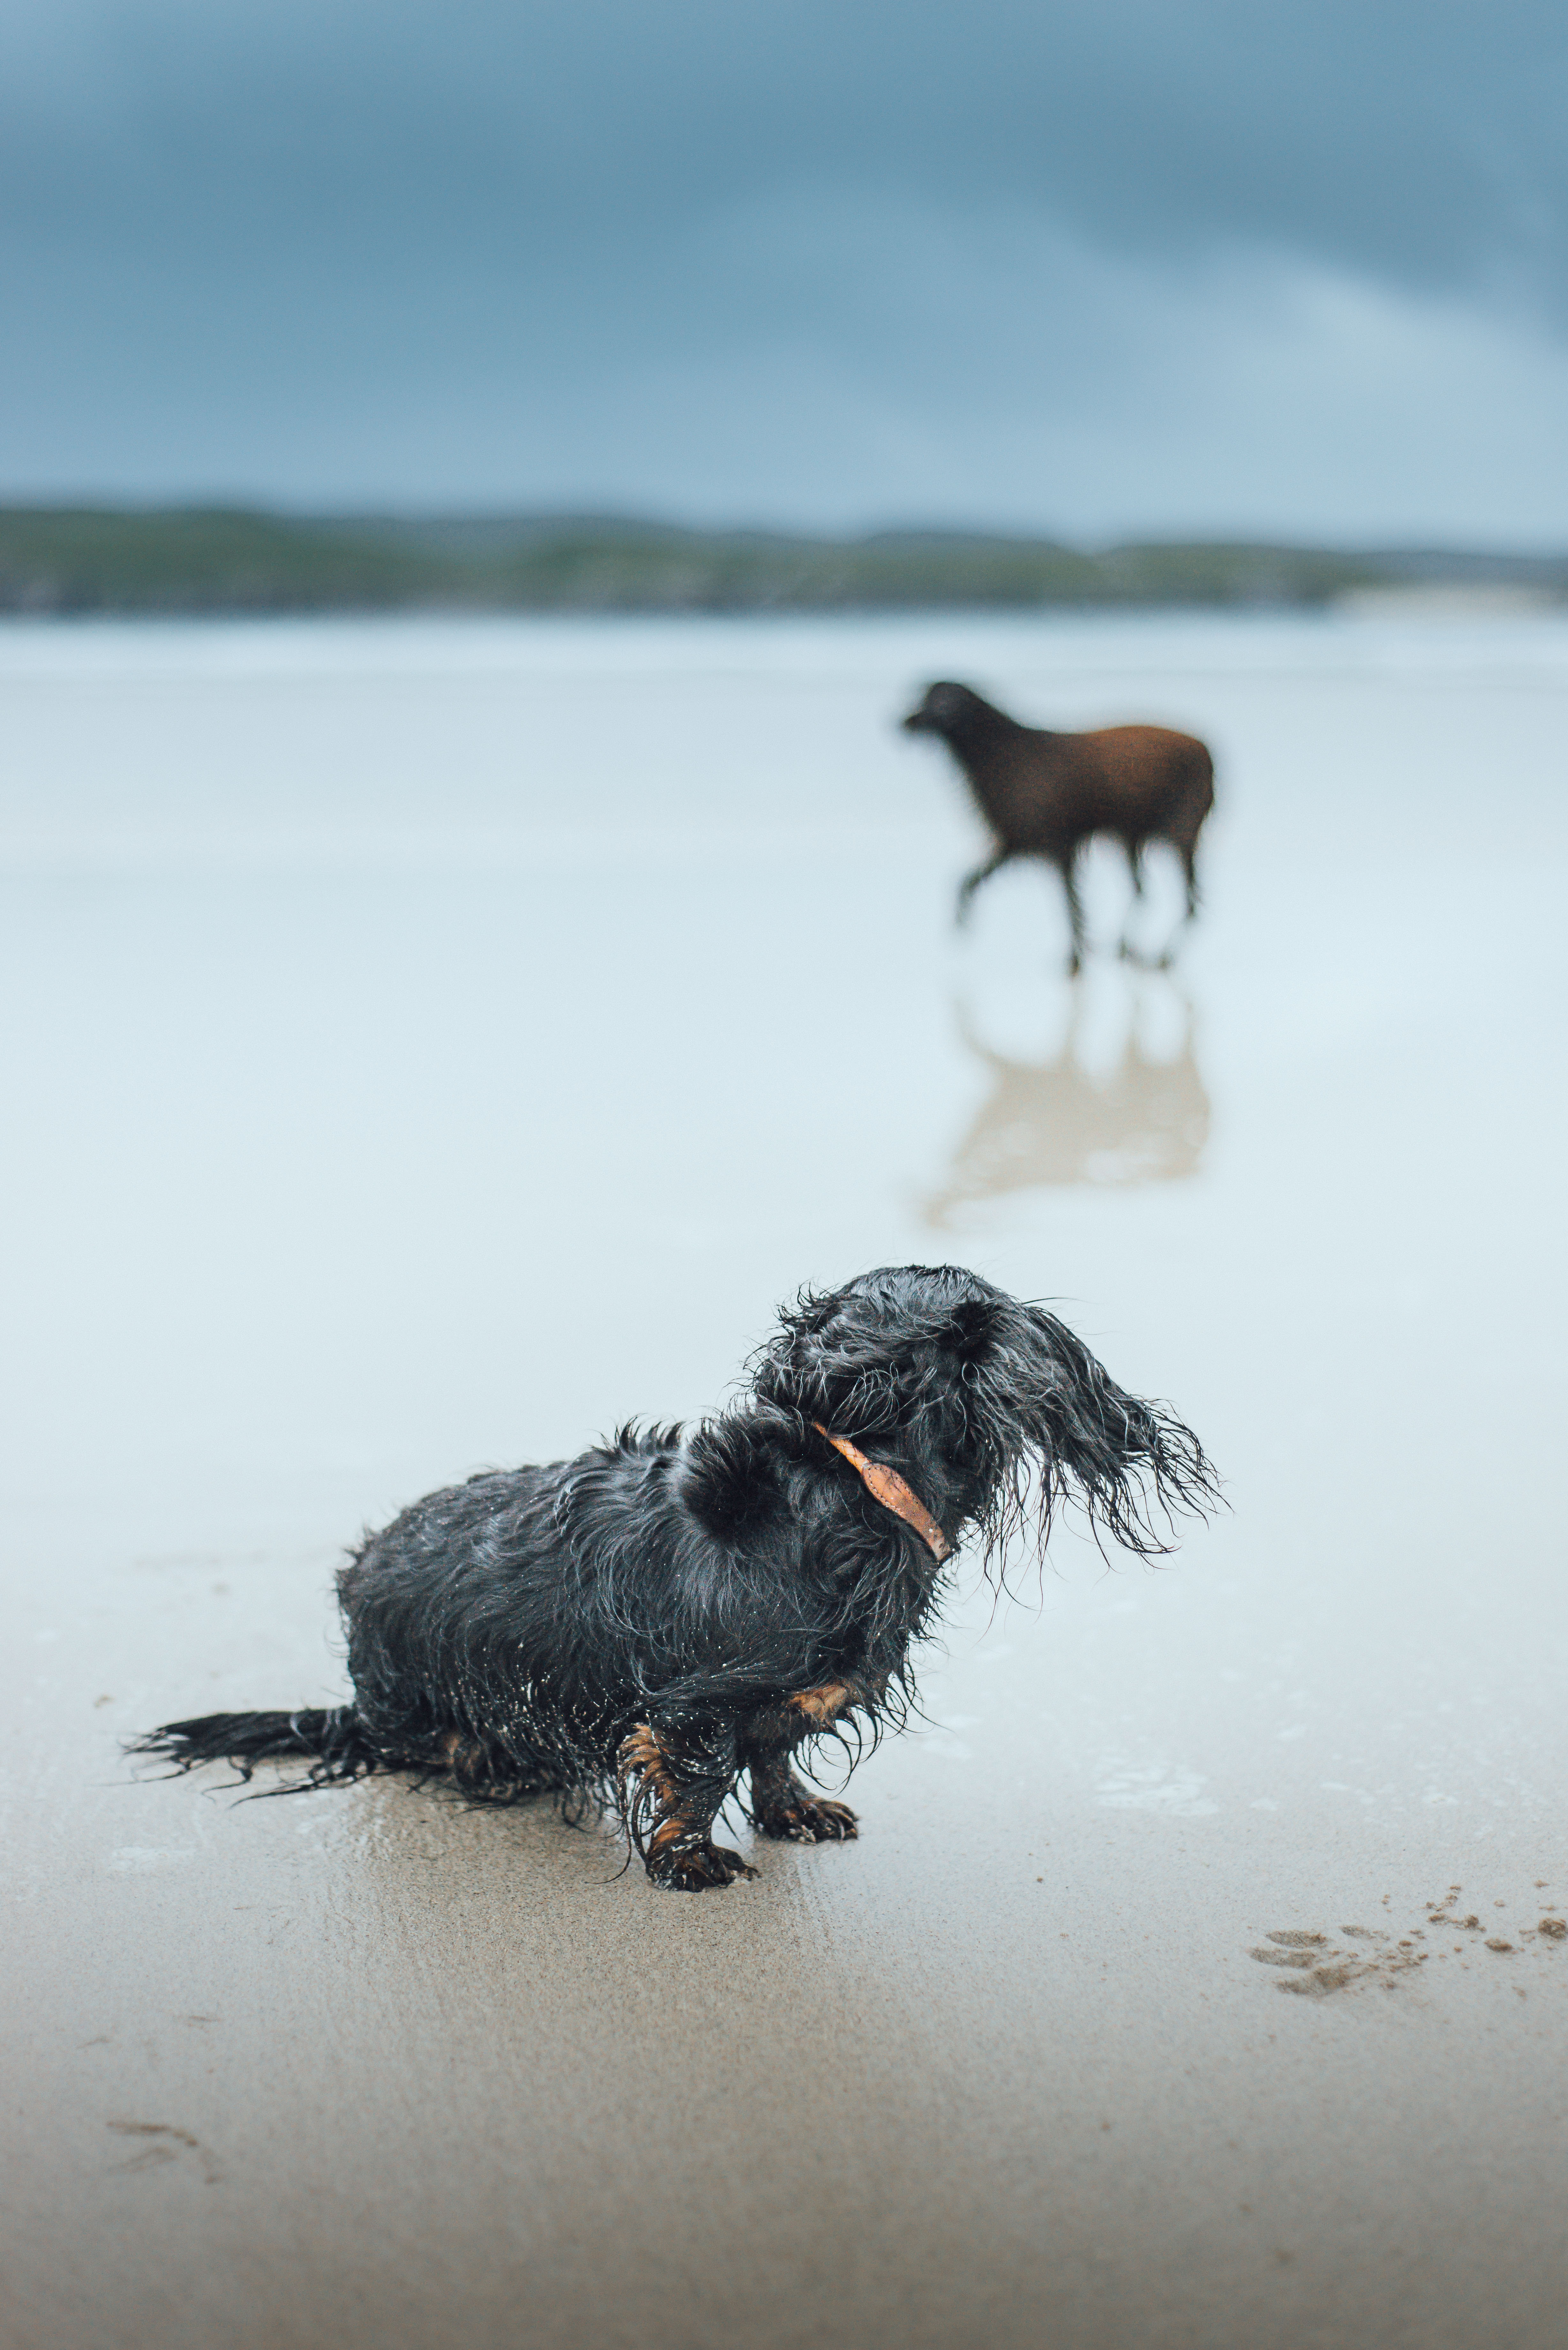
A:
(1220, 265)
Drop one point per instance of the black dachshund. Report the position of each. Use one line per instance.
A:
(640, 1626)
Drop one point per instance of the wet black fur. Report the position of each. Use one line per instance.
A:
(627, 1628)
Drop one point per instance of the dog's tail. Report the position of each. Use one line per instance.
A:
(331, 1739)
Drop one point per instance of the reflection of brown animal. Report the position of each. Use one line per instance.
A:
(1049, 1123)
(1046, 795)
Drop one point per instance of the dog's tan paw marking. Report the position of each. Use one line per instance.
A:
(824, 1704)
(813, 1820)
(698, 1868)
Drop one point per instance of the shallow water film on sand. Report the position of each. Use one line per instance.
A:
(427, 1044)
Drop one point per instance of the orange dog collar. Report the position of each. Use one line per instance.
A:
(887, 1487)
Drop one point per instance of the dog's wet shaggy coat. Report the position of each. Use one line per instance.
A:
(644, 1625)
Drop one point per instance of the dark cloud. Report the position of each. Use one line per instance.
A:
(325, 200)
(1425, 141)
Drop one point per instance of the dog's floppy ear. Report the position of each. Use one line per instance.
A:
(970, 1327)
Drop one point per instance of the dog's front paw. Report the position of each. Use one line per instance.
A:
(810, 1819)
(696, 1867)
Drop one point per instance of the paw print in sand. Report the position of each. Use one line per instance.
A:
(1314, 1965)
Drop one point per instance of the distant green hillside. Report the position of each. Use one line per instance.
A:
(183, 561)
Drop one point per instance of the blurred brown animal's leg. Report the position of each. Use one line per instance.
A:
(1189, 856)
(1185, 851)
(971, 882)
(1134, 849)
(1068, 870)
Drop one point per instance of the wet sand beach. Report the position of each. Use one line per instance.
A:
(427, 1044)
